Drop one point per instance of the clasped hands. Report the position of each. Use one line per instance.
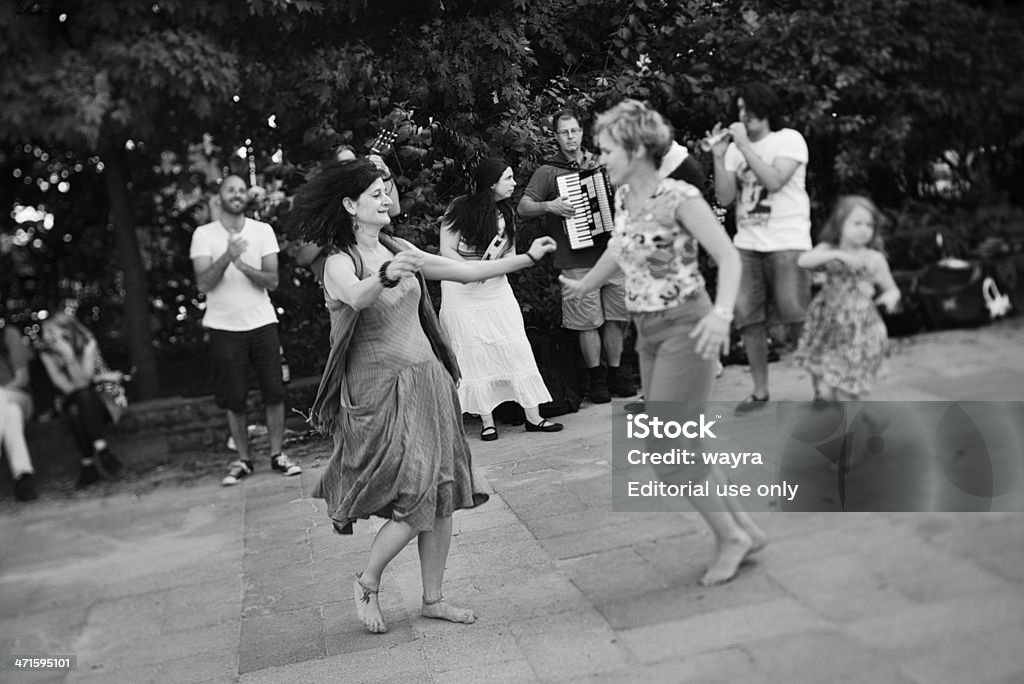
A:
(236, 248)
(403, 265)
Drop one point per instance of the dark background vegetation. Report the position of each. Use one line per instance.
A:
(119, 117)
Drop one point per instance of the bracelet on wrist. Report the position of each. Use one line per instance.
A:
(723, 313)
(535, 261)
(382, 275)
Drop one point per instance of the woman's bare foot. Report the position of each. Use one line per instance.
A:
(758, 537)
(442, 610)
(368, 608)
(729, 554)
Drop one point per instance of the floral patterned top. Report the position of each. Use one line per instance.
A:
(657, 255)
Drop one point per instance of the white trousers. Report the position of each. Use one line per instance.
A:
(15, 408)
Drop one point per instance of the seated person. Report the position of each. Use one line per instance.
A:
(72, 360)
(15, 410)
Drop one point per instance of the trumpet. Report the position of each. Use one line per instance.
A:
(707, 143)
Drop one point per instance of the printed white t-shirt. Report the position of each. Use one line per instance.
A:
(236, 303)
(772, 221)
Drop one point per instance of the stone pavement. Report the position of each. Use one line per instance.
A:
(208, 584)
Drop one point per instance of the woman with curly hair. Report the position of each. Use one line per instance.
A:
(388, 391)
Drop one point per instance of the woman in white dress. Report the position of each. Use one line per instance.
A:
(483, 319)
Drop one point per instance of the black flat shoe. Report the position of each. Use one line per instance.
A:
(751, 403)
(489, 434)
(543, 426)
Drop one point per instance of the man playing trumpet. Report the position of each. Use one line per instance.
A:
(763, 169)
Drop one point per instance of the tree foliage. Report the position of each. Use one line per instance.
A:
(119, 118)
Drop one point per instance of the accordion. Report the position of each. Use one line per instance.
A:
(590, 192)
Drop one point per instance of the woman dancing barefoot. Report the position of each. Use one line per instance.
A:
(680, 335)
(388, 391)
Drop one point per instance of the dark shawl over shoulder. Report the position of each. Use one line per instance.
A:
(328, 403)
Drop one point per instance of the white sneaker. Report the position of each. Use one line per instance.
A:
(238, 470)
(285, 465)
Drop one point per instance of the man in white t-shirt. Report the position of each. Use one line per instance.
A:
(763, 169)
(235, 262)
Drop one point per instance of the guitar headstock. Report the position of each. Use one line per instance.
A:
(384, 140)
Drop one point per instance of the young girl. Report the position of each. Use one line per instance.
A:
(73, 362)
(844, 337)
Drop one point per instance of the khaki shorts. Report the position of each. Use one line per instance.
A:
(591, 311)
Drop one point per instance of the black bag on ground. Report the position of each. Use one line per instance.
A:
(954, 292)
(563, 400)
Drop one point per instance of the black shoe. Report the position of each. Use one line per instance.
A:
(543, 426)
(25, 488)
(751, 403)
(620, 383)
(109, 465)
(598, 392)
(87, 476)
(488, 433)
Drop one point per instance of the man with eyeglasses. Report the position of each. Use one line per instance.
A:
(600, 318)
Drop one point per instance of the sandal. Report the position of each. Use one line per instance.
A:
(489, 433)
(751, 403)
(543, 426)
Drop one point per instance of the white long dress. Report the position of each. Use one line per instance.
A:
(484, 323)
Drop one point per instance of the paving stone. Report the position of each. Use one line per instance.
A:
(616, 574)
(215, 639)
(276, 557)
(822, 656)
(281, 639)
(559, 623)
(624, 530)
(142, 674)
(994, 540)
(542, 498)
(842, 587)
(726, 666)
(17, 594)
(486, 517)
(686, 599)
(125, 619)
(573, 653)
(955, 624)
(467, 646)
(503, 555)
(718, 630)
(506, 672)
(344, 633)
(926, 574)
(403, 662)
(220, 601)
(977, 656)
(267, 599)
(270, 537)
